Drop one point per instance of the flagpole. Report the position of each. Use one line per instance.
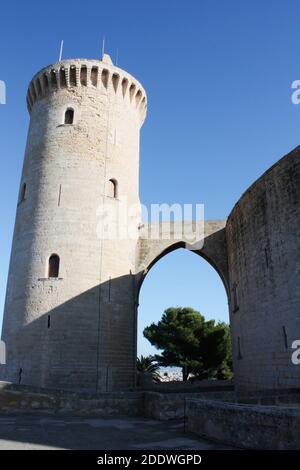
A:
(61, 50)
(103, 45)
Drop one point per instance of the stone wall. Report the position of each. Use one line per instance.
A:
(26, 400)
(245, 426)
(263, 240)
(78, 331)
(215, 415)
(188, 387)
(165, 406)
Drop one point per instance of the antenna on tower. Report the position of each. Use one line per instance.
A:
(117, 56)
(61, 50)
(103, 45)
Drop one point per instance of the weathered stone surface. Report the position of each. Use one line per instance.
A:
(164, 406)
(50, 402)
(252, 427)
(75, 331)
(189, 386)
(216, 415)
(78, 331)
(263, 241)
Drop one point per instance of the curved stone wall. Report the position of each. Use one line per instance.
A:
(263, 242)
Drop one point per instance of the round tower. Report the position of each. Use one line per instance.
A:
(70, 306)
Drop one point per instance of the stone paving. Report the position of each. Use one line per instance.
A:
(126, 433)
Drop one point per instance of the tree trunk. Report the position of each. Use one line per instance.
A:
(185, 374)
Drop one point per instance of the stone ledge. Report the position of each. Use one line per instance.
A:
(22, 399)
(245, 426)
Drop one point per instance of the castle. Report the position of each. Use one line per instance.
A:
(72, 296)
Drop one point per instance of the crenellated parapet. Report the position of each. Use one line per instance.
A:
(100, 75)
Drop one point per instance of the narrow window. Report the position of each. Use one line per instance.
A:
(235, 299)
(45, 82)
(239, 349)
(59, 196)
(23, 192)
(104, 77)
(143, 103)
(285, 338)
(267, 257)
(33, 92)
(53, 79)
(72, 75)
(138, 97)
(83, 75)
(53, 268)
(131, 91)
(69, 116)
(113, 188)
(115, 80)
(63, 78)
(124, 86)
(94, 76)
(38, 87)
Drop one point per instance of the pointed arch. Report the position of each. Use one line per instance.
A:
(175, 246)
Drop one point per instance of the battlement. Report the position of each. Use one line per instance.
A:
(102, 75)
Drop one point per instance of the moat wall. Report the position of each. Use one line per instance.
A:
(263, 240)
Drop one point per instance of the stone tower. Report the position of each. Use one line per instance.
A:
(70, 295)
(70, 317)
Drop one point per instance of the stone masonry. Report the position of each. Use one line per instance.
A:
(77, 330)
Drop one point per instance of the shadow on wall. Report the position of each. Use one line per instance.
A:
(87, 343)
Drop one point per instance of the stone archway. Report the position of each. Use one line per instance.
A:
(213, 250)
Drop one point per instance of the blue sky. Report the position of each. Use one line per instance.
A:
(218, 76)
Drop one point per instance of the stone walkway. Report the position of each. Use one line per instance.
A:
(126, 433)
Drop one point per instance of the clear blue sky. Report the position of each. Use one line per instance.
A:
(218, 76)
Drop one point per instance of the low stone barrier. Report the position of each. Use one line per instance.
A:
(52, 402)
(164, 406)
(245, 426)
(146, 384)
(218, 415)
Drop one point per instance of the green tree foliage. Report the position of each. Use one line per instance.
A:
(148, 365)
(187, 340)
